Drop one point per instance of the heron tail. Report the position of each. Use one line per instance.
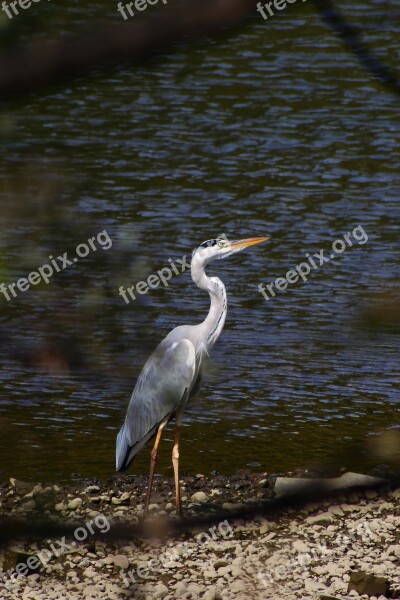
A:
(123, 451)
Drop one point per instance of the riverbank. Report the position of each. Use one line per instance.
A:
(326, 550)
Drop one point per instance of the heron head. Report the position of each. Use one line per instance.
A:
(221, 247)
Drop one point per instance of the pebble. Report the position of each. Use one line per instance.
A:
(92, 489)
(231, 506)
(336, 510)
(199, 498)
(300, 546)
(120, 561)
(324, 517)
(74, 504)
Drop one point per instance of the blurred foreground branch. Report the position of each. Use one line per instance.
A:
(12, 529)
(33, 67)
(352, 38)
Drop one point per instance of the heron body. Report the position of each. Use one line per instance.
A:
(172, 374)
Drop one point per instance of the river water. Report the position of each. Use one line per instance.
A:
(276, 130)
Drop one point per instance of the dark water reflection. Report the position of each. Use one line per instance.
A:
(276, 131)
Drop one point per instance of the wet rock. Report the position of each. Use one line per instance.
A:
(28, 506)
(39, 489)
(371, 585)
(20, 487)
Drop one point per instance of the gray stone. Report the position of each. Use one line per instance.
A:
(222, 571)
(322, 518)
(236, 571)
(312, 586)
(21, 487)
(196, 590)
(159, 591)
(300, 546)
(199, 498)
(120, 561)
(237, 586)
(336, 510)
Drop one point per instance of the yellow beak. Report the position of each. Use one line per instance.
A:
(240, 244)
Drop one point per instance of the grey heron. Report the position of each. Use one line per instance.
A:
(171, 376)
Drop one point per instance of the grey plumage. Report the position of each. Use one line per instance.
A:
(163, 386)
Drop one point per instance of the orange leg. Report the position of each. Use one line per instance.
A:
(153, 464)
(175, 462)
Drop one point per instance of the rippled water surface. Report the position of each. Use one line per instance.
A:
(276, 130)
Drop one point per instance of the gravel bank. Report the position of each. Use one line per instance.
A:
(320, 552)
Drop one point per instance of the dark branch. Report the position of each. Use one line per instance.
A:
(352, 37)
(11, 529)
(33, 68)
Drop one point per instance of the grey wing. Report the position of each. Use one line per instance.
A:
(164, 383)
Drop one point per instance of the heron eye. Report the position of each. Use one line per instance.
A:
(221, 244)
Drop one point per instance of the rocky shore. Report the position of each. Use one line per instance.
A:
(346, 548)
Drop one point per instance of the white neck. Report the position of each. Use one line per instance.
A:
(213, 324)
